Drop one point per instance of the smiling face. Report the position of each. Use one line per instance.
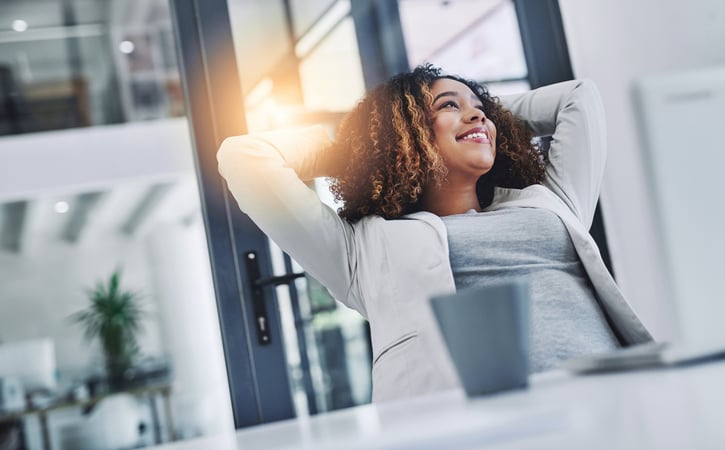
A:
(464, 137)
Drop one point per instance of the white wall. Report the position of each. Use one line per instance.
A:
(179, 263)
(614, 42)
(93, 158)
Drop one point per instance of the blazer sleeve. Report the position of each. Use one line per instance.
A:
(266, 174)
(573, 115)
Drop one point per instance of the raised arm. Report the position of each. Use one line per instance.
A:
(572, 113)
(266, 173)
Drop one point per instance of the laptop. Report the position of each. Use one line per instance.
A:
(682, 121)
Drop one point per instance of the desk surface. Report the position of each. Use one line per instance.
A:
(61, 403)
(680, 408)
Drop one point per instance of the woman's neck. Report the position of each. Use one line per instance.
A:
(448, 199)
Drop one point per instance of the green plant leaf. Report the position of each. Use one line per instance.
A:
(114, 317)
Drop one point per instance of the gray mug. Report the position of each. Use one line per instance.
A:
(486, 331)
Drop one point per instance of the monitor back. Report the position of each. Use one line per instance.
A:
(682, 121)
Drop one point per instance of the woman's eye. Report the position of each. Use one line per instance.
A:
(449, 105)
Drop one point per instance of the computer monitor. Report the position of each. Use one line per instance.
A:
(682, 121)
(30, 361)
(681, 117)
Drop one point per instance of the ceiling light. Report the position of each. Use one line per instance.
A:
(62, 207)
(126, 47)
(20, 25)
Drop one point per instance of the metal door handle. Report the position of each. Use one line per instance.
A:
(258, 283)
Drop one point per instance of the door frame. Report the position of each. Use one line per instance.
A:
(258, 376)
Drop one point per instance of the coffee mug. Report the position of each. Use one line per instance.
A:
(486, 330)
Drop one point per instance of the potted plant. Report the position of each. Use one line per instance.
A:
(114, 317)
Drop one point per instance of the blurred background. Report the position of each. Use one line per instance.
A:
(97, 176)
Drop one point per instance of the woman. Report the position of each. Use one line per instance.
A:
(443, 189)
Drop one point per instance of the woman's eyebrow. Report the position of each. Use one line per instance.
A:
(445, 94)
(474, 98)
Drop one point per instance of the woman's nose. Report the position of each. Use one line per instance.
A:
(475, 114)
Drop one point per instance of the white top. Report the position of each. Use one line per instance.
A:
(389, 269)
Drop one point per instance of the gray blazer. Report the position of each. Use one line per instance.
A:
(388, 269)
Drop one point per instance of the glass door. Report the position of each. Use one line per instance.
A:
(301, 67)
(291, 349)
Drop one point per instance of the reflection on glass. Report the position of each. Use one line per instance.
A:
(479, 40)
(306, 13)
(261, 39)
(148, 77)
(331, 74)
(80, 64)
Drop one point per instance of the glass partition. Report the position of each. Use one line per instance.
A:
(97, 178)
(75, 63)
(313, 79)
(479, 40)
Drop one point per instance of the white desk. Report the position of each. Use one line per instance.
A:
(681, 408)
(148, 392)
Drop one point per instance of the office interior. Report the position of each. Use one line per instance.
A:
(104, 169)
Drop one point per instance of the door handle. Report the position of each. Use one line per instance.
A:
(258, 283)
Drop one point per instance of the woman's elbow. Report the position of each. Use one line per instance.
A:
(234, 155)
(229, 148)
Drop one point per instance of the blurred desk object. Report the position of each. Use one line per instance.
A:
(31, 361)
(150, 392)
(677, 408)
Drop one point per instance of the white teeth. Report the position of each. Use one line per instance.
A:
(475, 136)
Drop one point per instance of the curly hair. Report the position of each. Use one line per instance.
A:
(390, 154)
